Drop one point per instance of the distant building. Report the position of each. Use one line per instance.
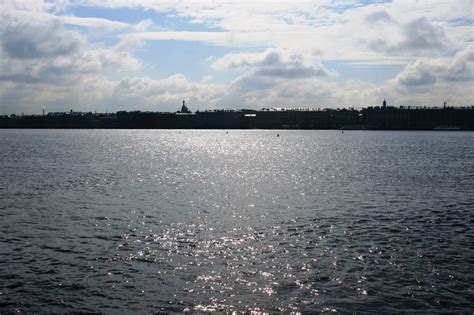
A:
(378, 118)
(184, 109)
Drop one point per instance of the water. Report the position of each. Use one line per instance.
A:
(156, 220)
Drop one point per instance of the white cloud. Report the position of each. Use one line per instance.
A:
(144, 93)
(419, 36)
(357, 32)
(29, 39)
(85, 94)
(206, 79)
(127, 44)
(143, 25)
(30, 6)
(275, 76)
(273, 62)
(44, 62)
(429, 71)
(379, 16)
(212, 37)
(40, 11)
(93, 22)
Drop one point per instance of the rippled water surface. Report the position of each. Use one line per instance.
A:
(144, 221)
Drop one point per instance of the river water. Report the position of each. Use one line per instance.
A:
(202, 220)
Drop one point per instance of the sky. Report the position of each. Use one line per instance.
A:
(148, 55)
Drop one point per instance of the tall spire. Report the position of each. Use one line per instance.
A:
(184, 108)
(384, 104)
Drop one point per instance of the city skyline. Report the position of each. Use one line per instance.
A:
(149, 55)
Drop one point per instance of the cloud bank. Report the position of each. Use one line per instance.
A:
(281, 54)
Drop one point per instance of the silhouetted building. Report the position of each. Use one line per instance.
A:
(407, 118)
(293, 119)
(221, 119)
(184, 109)
(377, 118)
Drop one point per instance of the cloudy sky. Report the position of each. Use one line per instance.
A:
(91, 55)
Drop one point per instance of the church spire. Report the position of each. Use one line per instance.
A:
(184, 108)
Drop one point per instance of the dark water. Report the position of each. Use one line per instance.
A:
(143, 221)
